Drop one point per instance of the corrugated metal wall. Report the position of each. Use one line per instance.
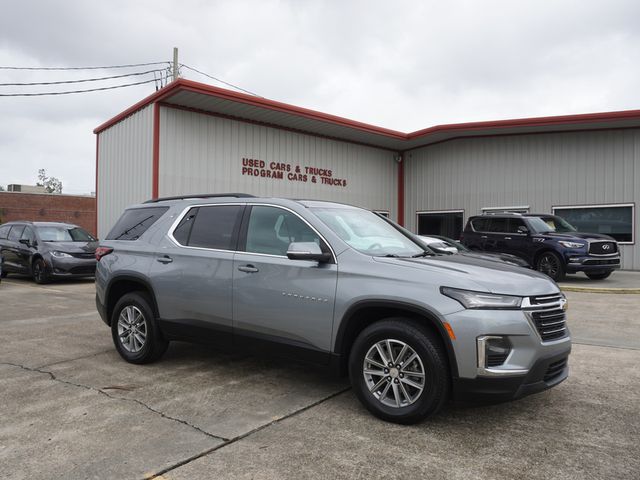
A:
(544, 170)
(201, 153)
(124, 166)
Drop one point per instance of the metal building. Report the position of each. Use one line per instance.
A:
(193, 138)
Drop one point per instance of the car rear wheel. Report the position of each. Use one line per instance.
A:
(551, 265)
(399, 371)
(598, 275)
(134, 330)
(40, 273)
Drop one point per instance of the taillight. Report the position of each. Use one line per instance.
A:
(102, 251)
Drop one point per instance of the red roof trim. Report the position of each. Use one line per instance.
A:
(196, 87)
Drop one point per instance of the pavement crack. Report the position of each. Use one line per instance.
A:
(233, 440)
(115, 397)
(77, 358)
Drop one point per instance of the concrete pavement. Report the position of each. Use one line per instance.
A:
(71, 408)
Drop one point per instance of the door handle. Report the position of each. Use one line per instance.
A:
(247, 268)
(483, 236)
(507, 238)
(166, 259)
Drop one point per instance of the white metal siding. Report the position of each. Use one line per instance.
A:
(125, 156)
(545, 170)
(201, 153)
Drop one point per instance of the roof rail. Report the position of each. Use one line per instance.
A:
(201, 195)
(518, 214)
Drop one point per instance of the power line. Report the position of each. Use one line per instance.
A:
(218, 80)
(40, 94)
(79, 81)
(86, 68)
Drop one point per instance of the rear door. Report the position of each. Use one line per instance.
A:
(494, 240)
(277, 301)
(192, 274)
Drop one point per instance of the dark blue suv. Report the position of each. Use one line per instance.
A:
(548, 242)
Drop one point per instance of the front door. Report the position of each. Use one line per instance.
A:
(279, 301)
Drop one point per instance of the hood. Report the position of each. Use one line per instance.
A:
(72, 247)
(574, 235)
(497, 257)
(472, 273)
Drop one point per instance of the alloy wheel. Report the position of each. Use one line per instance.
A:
(132, 329)
(548, 265)
(394, 373)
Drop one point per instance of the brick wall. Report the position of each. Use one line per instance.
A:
(35, 207)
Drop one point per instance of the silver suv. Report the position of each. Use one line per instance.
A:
(336, 285)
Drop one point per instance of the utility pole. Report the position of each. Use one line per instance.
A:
(175, 63)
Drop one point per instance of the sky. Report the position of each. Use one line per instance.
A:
(401, 65)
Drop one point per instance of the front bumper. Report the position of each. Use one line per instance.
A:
(546, 373)
(539, 345)
(591, 263)
(71, 267)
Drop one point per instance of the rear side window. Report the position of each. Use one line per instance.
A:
(497, 225)
(479, 224)
(16, 232)
(210, 227)
(134, 222)
(4, 231)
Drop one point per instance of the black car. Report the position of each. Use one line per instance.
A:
(547, 242)
(441, 244)
(47, 250)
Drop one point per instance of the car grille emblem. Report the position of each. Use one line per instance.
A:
(606, 247)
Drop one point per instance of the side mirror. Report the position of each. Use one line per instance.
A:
(523, 230)
(25, 241)
(307, 251)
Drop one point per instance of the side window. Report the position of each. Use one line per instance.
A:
(497, 225)
(134, 222)
(16, 232)
(29, 235)
(271, 230)
(479, 224)
(4, 231)
(213, 227)
(514, 224)
(183, 230)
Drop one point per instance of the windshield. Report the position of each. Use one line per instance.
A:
(551, 224)
(367, 232)
(63, 234)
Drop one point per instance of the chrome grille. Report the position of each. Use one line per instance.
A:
(546, 299)
(551, 324)
(603, 248)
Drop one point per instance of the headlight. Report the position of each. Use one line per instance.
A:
(58, 254)
(470, 299)
(571, 244)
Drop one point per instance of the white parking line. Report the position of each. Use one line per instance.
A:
(41, 288)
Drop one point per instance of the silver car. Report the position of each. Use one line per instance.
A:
(336, 285)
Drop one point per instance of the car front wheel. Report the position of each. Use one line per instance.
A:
(398, 370)
(551, 265)
(40, 273)
(134, 330)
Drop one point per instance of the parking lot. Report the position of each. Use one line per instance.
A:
(71, 408)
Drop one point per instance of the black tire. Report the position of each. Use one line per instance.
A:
(432, 357)
(598, 275)
(40, 271)
(551, 265)
(135, 351)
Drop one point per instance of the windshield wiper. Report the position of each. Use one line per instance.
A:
(424, 253)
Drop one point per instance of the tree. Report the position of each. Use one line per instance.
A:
(50, 184)
(1, 188)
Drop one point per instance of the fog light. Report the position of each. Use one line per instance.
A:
(493, 351)
(574, 259)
